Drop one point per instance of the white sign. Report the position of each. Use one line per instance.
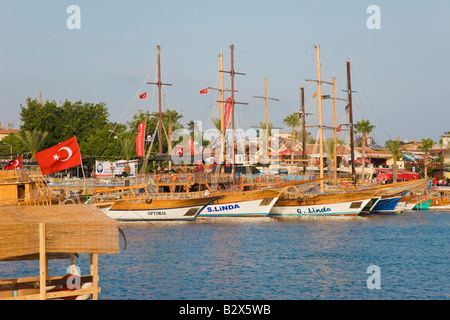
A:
(109, 169)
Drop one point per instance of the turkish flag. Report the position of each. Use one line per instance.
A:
(204, 91)
(143, 96)
(338, 129)
(140, 140)
(14, 164)
(62, 156)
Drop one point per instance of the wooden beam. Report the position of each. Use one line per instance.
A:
(42, 262)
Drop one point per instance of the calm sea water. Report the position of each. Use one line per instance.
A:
(275, 259)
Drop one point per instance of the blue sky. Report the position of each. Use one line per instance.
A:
(401, 72)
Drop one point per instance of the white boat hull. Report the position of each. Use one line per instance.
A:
(171, 214)
(248, 208)
(349, 208)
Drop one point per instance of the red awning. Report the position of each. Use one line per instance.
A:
(402, 174)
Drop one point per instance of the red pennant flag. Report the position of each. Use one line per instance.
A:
(62, 156)
(338, 129)
(14, 164)
(227, 112)
(140, 140)
(204, 91)
(143, 96)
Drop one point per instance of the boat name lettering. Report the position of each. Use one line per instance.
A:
(313, 210)
(156, 213)
(223, 208)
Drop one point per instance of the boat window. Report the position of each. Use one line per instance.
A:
(356, 205)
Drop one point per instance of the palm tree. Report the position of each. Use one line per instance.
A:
(217, 123)
(394, 148)
(127, 145)
(427, 144)
(172, 119)
(363, 127)
(33, 141)
(292, 121)
(329, 149)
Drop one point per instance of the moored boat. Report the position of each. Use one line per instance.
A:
(327, 204)
(160, 207)
(392, 193)
(255, 203)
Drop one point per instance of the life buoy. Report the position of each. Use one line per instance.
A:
(189, 177)
(242, 179)
(277, 179)
(259, 179)
(174, 178)
(158, 178)
(148, 201)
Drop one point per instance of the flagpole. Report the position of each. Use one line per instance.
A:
(84, 178)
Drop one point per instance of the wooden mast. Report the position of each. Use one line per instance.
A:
(222, 114)
(222, 110)
(302, 93)
(159, 84)
(266, 99)
(334, 132)
(233, 103)
(350, 112)
(319, 89)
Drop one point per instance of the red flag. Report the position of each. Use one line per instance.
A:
(14, 164)
(140, 140)
(191, 146)
(204, 91)
(143, 96)
(62, 156)
(199, 166)
(338, 129)
(227, 112)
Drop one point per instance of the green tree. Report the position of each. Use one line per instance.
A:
(364, 128)
(63, 121)
(292, 121)
(394, 147)
(427, 144)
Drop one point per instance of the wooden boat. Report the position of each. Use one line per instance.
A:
(255, 203)
(160, 207)
(323, 204)
(440, 203)
(55, 232)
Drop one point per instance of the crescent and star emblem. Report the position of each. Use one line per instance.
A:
(56, 157)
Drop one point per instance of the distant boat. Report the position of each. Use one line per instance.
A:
(388, 204)
(422, 205)
(392, 193)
